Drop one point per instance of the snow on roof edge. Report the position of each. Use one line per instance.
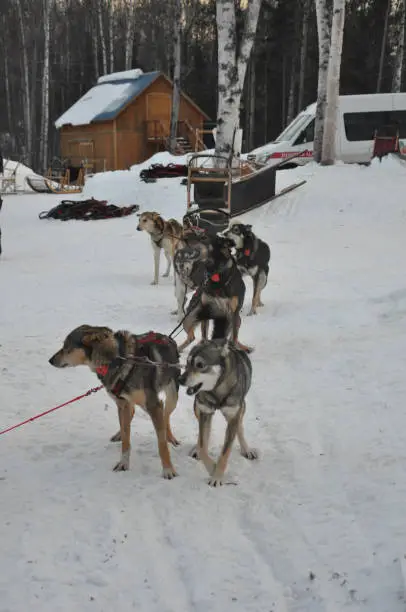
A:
(121, 76)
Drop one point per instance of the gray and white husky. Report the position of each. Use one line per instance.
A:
(219, 375)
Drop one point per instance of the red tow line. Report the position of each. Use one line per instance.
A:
(34, 418)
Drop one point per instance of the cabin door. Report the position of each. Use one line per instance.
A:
(158, 115)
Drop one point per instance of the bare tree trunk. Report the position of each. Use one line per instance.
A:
(34, 110)
(177, 60)
(266, 97)
(95, 44)
(323, 15)
(292, 88)
(284, 91)
(333, 85)
(111, 35)
(295, 46)
(251, 104)
(45, 87)
(26, 85)
(303, 52)
(102, 35)
(232, 66)
(383, 47)
(398, 68)
(129, 34)
(7, 79)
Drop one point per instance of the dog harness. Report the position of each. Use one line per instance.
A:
(116, 375)
(159, 241)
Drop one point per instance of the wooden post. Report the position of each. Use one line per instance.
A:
(115, 145)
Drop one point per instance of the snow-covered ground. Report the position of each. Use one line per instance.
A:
(318, 524)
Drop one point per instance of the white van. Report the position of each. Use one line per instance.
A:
(358, 118)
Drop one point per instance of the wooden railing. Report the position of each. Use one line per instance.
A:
(159, 133)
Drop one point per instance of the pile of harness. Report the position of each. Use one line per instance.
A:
(156, 171)
(87, 210)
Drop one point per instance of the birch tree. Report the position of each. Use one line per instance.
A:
(333, 85)
(233, 56)
(323, 15)
(111, 19)
(7, 76)
(383, 46)
(47, 6)
(102, 34)
(177, 61)
(129, 33)
(26, 83)
(303, 52)
(400, 47)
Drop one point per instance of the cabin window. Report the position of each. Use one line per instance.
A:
(306, 135)
(362, 126)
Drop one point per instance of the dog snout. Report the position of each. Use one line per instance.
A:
(56, 360)
(138, 228)
(182, 378)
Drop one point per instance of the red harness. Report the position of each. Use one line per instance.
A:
(148, 337)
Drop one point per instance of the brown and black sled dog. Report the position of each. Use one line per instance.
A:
(134, 369)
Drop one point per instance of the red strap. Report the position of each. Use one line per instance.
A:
(102, 370)
(34, 418)
(247, 252)
(215, 277)
(151, 337)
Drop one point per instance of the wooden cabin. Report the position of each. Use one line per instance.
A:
(124, 119)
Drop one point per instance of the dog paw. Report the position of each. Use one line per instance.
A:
(154, 282)
(194, 453)
(252, 312)
(122, 466)
(250, 454)
(174, 441)
(260, 304)
(174, 312)
(215, 481)
(116, 437)
(165, 275)
(168, 473)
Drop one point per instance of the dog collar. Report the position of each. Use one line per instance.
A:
(247, 252)
(215, 277)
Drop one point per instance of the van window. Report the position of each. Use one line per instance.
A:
(306, 135)
(293, 128)
(362, 126)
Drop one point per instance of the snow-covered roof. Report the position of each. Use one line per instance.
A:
(107, 98)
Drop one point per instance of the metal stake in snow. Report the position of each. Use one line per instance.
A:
(34, 418)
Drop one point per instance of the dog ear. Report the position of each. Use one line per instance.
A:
(249, 227)
(96, 335)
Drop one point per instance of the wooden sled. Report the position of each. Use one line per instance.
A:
(55, 187)
(235, 187)
(38, 184)
(65, 180)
